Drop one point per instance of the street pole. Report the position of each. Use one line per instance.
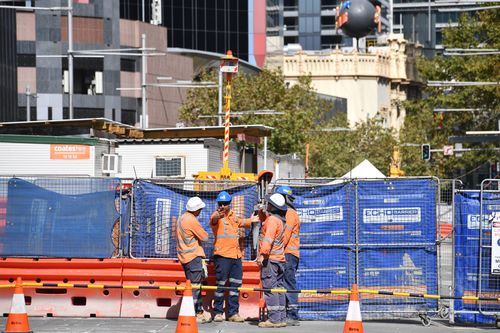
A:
(143, 84)
(70, 58)
(220, 98)
(265, 153)
(28, 106)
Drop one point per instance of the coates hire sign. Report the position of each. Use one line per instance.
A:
(69, 152)
(392, 215)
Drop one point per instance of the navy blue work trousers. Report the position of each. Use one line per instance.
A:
(194, 272)
(292, 304)
(271, 274)
(227, 270)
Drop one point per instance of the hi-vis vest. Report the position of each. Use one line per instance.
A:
(292, 232)
(189, 235)
(227, 236)
(272, 238)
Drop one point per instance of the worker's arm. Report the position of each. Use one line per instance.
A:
(247, 223)
(214, 219)
(199, 232)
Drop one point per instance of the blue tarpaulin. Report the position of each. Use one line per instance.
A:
(157, 209)
(45, 223)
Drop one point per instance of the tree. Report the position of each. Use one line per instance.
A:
(302, 109)
(422, 125)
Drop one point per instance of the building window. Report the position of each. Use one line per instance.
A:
(169, 166)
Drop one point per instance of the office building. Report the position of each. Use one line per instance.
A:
(212, 26)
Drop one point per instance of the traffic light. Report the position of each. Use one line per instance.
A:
(426, 151)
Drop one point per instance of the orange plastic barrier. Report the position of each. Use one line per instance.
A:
(154, 303)
(77, 302)
(128, 302)
(151, 303)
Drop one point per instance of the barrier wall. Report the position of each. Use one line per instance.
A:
(64, 302)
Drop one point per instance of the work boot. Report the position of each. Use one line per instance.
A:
(269, 324)
(292, 322)
(200, 319)
(219, 318)
(236, 318)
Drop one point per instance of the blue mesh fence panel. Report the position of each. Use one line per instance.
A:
(381, 233)
(467, 234)
(325, 255)
(397, 244)
(157, 208)
(63, 217)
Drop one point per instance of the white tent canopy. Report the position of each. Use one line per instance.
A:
(364, 169)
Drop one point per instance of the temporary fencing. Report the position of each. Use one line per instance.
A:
(415, 246)
(476, 214)
(380, 234)
(60, 217)
(158, 207)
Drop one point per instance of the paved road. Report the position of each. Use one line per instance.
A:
(122, 325)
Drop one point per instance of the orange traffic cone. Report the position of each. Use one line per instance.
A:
(186, 323)
(353, 323)
(18, 318)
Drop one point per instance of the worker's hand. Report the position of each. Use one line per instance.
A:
(254, 218)
(260, 260)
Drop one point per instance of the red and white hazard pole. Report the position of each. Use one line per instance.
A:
(228, 66)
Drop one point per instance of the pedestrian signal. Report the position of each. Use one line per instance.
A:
(426, 151)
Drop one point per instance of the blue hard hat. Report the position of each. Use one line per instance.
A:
(224, 197)
(285, 190)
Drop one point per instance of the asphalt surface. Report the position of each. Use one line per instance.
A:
(124, 325)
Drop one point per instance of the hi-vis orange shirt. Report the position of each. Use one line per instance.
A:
(271, 239)
(292, 240)
(190, 234)
(227, 235)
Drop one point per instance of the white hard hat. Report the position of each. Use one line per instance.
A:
(277, 200)
(194, 204)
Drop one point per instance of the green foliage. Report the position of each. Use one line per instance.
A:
(422, 125)
(304, 115)
(301, 108)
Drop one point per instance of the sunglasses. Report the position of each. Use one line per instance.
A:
(221, 204)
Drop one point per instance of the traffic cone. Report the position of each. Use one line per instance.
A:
(186, 323)
(18, 318)
(353, 323)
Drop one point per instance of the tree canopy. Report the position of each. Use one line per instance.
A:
(305, 116)
(423, 125)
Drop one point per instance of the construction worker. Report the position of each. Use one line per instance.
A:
(291, 256)
(271, 259)
(227, 256)
(190, 235)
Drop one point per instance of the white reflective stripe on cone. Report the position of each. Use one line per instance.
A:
(353, 312)
(18, 304)
(187, 306)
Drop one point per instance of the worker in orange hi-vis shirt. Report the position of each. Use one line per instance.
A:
(271, 260)
(227, 256)
(190, 235)
(291, 256)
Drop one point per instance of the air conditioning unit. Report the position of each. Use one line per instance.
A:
(170, 166)
(111, 163)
